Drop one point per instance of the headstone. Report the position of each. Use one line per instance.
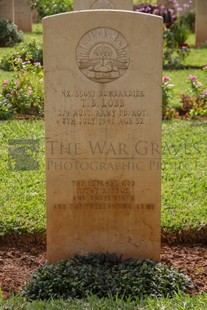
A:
(102, 4)
(103, 133)
(201, 22)
(23, 15)
(35, 16)
(6, 9)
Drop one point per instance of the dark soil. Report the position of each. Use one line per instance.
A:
(17, 262)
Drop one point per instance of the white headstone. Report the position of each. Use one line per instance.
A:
(7, 9)
(23, 15)
(103, 99)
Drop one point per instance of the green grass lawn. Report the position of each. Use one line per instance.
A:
(179, 78)
(179, 302)
(35, 35)
(197, 57)
(22, 197)
(184, 177)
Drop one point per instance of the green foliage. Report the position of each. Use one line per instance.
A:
(196, 58)
(22, 200)
(9, 34)
(184, 183)
(195, 103)
(105, 275)
(181, 83)
(180, 32)
(50, 7)
(179, 302)
(189, 20)
(23, 95)
(31, 51)
(5, 109)
(175, 48)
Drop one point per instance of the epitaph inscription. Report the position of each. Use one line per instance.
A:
(103, 133)
(103, 55)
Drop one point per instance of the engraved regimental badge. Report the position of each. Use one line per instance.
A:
(102, 4)
(103, 55)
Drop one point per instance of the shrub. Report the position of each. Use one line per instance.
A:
(23, 95)
(189, 20)
(31, 51)
(9, 34)
(103, 275)
(50, 7)
(195, 103)
(5, 109)
(175, 48)
(175, 34)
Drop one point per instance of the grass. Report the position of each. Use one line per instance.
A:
(180, 302)
(197, 57)
(22, 200)
(36, 34)
(191, 39)
(184, 182)
(179, 78)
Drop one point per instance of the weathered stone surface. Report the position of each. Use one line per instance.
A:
(201, 22)
(102, 4)
(103, 133)
(6, 9)
(18, 12)
(23, 15)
